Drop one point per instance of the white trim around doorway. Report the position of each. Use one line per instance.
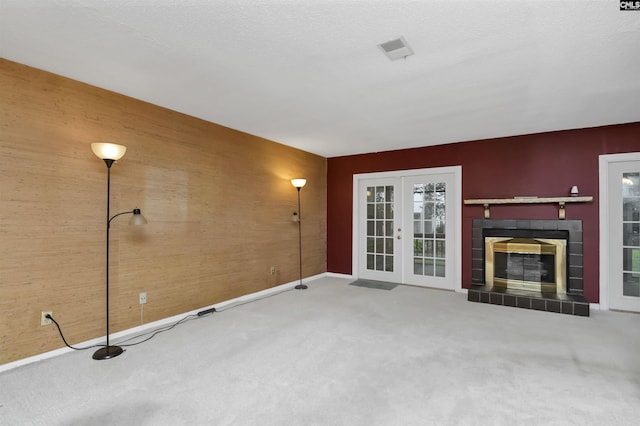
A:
(603, 170)
(456, 170)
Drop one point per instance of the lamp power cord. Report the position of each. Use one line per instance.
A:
(152, 333)
(48, 316)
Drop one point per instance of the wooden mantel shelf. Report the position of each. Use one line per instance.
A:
(561, 201)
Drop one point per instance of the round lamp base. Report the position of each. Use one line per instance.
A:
(107, 352)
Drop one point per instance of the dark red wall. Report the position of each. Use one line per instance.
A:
(545, 165)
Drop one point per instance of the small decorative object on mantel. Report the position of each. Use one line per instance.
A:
(574, 191)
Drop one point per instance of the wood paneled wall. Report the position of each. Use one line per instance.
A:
(218, 202)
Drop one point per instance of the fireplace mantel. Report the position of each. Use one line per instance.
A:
(561, 201)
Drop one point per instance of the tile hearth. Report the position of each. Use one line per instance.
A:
(560, 303)
(572, 303)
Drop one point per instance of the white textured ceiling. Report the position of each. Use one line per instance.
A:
(309, 74)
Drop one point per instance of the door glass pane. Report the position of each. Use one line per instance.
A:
(631, 260)
(380, 228)
(631, 234)
(428, 248)
(631, 285)
(429, 228)
(631, 210)
(428, 209)
(631, 184)
(389, 263)
(388, 227)
(439, 228)
(389, 210)
(418, 266)
(440, 267)
(371, 263)
(428, 267)
(418, 245)
(371, 211)
(389, 246)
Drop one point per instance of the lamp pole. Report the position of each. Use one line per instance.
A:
(108, 351)
(299, 183)
(110, 153)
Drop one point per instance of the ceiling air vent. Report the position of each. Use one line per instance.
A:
(396, 49)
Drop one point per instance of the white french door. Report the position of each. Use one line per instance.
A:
(622, 237)
(407, 227)
(380, 229)
(429, 242)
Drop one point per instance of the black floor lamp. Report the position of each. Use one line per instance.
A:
(299, 183)
(111, 153)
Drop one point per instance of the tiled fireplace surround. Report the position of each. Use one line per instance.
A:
(572, 303)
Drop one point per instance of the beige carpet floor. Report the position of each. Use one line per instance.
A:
(338, 354)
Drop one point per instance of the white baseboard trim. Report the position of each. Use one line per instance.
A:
(336, 275)
(595, 306)
(114, 337)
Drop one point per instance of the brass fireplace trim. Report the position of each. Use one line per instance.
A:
(525, 246)
(519, 245)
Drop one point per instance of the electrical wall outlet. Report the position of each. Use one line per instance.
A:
(43, 319)
(143, 297)
(273, 270)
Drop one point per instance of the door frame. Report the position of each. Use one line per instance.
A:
(605, 161)
(457, 214)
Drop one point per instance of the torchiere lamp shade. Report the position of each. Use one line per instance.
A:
(298, 183)
(108, 151)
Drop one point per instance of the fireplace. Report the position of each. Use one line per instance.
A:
(534, 264)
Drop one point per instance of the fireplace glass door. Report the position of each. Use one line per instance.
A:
(527, 263)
